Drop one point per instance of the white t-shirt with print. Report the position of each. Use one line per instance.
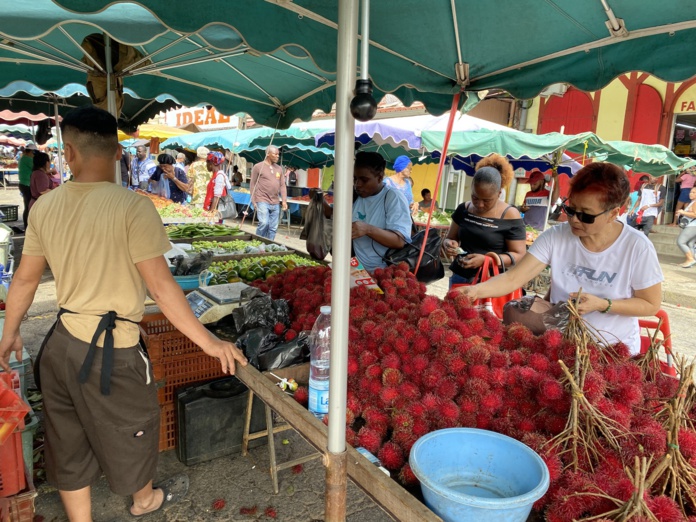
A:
(628, 265)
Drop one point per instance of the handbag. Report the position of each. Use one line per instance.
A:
(431, 267)
(684, 221)
(489, 269)
(227, 207)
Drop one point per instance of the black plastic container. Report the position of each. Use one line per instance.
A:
(210, 420)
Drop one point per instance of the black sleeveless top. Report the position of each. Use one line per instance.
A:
(480, 235)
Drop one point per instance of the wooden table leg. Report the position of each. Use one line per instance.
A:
(247, 424)
(271, 448)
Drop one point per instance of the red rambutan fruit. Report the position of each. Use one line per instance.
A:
(388, 395)
(595, 386)
(497, 377)
(467, 405)
(477, 354)
(369, 439)
(367, 358)
(420, 363)
(437, 334)
(499, 360)
(518, 357)
(301, 395)
(629, 394)
(278, 329)
(479, 371)
(667, 386)
(555, 424)
(448, 388)
(430, 402)
(409, 391)
(421, 345)
(687, 443)
(491, 403)
(401, 345)
(456, 364)
(539, 362)
(392, 377)
(373, 414)
(483, 421)
(474, 387)
(374, 371)
(374, 387)
(665, 509)
(429, 305)
(520, 334)
(416, 410)
(391, 456)
(353, 366)
(438, 318)
(392, 360)
(551, 390)
(407, 477)
(452, 338)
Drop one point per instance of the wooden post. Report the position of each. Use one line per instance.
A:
(336, 484)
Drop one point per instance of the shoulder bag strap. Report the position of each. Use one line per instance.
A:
(502, 216)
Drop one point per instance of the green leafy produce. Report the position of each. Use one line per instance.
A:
(251, 269)
(201, 230)
(228, 247)
(439, 217)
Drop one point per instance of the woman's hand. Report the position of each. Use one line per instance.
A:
(360, 229)
(414, 207)
(471, 292)
(589, 303)
(471, 260)
(451, 247)
(680, 212)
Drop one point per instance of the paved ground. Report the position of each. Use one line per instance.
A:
(244, 482)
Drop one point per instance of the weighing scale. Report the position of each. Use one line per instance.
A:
(212, 303)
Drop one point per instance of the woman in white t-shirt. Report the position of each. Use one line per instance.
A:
(615, 265)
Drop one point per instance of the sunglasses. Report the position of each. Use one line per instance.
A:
(583, 217)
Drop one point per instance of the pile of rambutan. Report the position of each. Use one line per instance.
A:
(417, 363)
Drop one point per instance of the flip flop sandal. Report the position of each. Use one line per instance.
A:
(174, 489)
(688, 265)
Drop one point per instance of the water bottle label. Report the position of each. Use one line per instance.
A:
(318, 401)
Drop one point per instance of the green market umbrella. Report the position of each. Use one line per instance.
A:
(296, 143)
(25, 96)
(521, 46)
(652, 159)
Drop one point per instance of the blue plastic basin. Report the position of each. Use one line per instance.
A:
(191, 282)
(468, 474)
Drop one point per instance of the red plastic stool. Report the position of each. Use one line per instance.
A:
(652, 324)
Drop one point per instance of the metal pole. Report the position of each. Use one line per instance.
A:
(111, 95)
(335, 501)
(365, 41)
(59, 140)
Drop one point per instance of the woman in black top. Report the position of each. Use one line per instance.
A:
(484, 224)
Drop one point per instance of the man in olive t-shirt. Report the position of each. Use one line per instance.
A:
(105, 245)
(26, 167)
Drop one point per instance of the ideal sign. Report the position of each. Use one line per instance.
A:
(204, 118)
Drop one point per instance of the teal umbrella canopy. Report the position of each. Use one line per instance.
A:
(25, 96)
(521, 46)
(296, 144)
(652, 159)
(212, 66)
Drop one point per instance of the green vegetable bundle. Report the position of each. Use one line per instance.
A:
(201, 230)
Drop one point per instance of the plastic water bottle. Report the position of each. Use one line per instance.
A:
(320, 355)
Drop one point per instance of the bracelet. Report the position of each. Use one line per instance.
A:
(606, 310)
(512, 259)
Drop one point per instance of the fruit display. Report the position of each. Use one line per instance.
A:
(531, 234)
(201, 230)
(241, 190)
(328, 198)
(238, 246)
(439, 218)
(256, 268)
(175, 212)
(616, 433)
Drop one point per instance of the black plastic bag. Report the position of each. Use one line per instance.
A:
(264, 351)
(261, 312)
(318, 229)
(192, 266)
(285, 354)
(256, 341)
(431, 267)
(537, 314)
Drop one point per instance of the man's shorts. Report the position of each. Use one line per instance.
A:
(87, 432)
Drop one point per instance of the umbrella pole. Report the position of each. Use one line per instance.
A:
(59, 140)
(111, 96)
(335, 461)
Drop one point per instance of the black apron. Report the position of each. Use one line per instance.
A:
(106, 324)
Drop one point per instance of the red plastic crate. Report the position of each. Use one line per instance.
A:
(174, 372)
(163, 341)
(167, 434)
(12, 473)
(19, 507)
(12, 408)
